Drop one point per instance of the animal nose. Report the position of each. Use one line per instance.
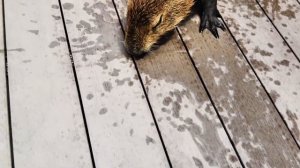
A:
(137, 53)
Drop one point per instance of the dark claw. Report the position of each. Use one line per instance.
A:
(202, 28)
(218, 14)
(214, 31)
(222, 27)
(210, 21)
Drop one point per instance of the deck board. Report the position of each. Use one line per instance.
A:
(241, 101)
(4, 134)
(275, 65)
(48, 128)
(190, 127)
(117, 112)
(285, 15)
(47, 120)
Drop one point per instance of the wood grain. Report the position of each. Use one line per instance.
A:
(272, 60)
(241, 101)
(117, 112)
(47, 122)
(191, 129)
(285, 14)
(4, 134)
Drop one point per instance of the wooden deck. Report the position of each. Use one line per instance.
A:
(70, 97)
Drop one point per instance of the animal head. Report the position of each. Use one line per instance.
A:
(148, 20)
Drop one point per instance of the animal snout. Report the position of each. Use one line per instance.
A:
(134, 49)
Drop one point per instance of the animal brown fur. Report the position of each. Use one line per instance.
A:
(148, 20)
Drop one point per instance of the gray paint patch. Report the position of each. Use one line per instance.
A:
(68, 6)
(16, 49)
(89, 96)
(56, 17)
(197, 162)
(167, 101)
(131, 132)
(26, 61)
(149, 140)
(103, 111)
(55, 6)
(69, 21)
(277, 82)
(107, 86)
(53, 44)
(36, 32)
(176, 108)
(115, 72)
(62, 39)
(122, 82)
(33, 21)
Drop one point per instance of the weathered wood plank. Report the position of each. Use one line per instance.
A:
(243, 104)
(48, 128)
(191, 129)
(275, 65)
(285, 15)
(117, 111)
(4, 134)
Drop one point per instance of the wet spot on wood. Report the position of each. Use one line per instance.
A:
(126, 105)
(261, 66)
(233, 158)
(292, 117)
(33, 21)
(288, 13)
(16, 49)
(122, 82)
(262, 52)
(55, 6)
(36, 32)
(54, 44)
(284, 63)
(131, 132)
(115, 72)
(56, 17)
(26, 61)
(103, 111)
(130, 83)
(107, 86)
(277, 82)
(181, 128)
(197, 162)
(270, 45)
(149, 140)
(89, 96)
(68, 6)
(167, 101)
(61, 39)
(176, 109)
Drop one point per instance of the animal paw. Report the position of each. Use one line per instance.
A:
(210, 21)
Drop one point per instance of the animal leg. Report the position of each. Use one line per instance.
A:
(209, 17)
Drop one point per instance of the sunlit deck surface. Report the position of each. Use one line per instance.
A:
(70, 97)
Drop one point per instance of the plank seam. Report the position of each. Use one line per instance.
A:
(77, 86)
(145, 93)
(298, 2)
(285, 41)
(210, 97)
(261, 83)
(7, 90)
